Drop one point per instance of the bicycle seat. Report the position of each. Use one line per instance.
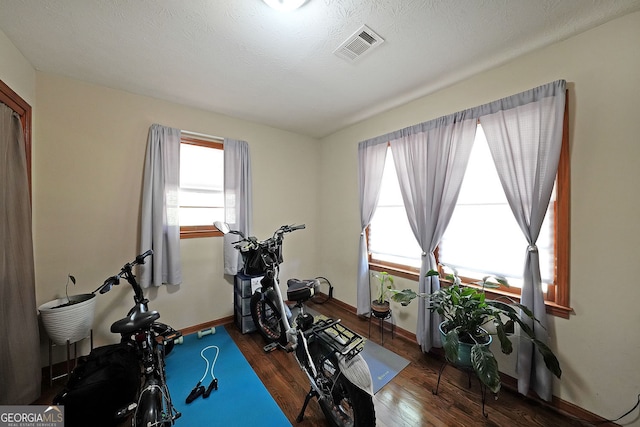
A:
(300, 290)
(134, 322)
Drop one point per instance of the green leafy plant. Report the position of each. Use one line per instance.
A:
(385, 286)
(71, 279)
(466, 310)
(386, 290)
(69, 302)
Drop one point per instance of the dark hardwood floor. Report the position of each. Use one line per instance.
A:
(406, 401)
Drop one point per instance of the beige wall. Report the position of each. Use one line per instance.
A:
(599, 345)
(89, 146)
(87, 173)
(16, 71)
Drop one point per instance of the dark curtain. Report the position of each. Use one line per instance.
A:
(20, 370)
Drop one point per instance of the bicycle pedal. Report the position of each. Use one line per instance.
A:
(172, 336)
(270, 347)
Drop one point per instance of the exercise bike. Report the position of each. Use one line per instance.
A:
(327, 351)
(152, 341)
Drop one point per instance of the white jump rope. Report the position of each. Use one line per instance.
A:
(199, 388)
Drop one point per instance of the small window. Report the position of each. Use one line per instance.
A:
(201, 187)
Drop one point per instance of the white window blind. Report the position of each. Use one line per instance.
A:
(390, 236)
(201, 185)
(483, 237)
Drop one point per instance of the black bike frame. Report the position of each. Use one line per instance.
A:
(143, 337)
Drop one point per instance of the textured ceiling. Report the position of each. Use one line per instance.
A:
(243, 59)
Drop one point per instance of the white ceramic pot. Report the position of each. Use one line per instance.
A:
(72, 322)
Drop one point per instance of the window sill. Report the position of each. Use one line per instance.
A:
(411, 274)
(192, 232)
(396, 270)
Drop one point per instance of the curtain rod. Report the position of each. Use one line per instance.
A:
(202, 136)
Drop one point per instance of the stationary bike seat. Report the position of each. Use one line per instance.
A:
(134, 322)
(300, 290)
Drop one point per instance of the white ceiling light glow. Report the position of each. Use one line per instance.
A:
(285, 5)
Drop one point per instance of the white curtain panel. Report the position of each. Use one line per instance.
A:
(371, 158)
(430, 161)
(160, 225)
(524, 133)
(238, 199)
(20, 369)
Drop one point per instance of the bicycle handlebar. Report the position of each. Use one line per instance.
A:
(253, 242)
(126, 271)
(140, 258)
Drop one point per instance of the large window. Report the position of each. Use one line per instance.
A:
(483, 237)
(201, 186)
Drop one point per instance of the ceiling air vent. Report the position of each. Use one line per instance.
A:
(361, 42)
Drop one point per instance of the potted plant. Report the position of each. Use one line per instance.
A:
(465, 310)
(380, 304)
(70, 318)
(385, 291)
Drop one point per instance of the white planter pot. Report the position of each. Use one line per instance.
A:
(72, 322)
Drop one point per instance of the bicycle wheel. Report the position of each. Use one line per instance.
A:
(149, 411)
(346, 405)
(267, 318)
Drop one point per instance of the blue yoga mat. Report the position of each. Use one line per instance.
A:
(241, 398)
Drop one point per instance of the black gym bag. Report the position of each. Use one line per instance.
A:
(104, 382)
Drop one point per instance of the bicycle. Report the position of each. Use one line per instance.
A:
(152, 341)
(327, 351)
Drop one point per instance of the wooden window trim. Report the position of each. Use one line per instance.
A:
(22, 107)
(197, 231)
(201, 142)
(563, 213)
(557, 297)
